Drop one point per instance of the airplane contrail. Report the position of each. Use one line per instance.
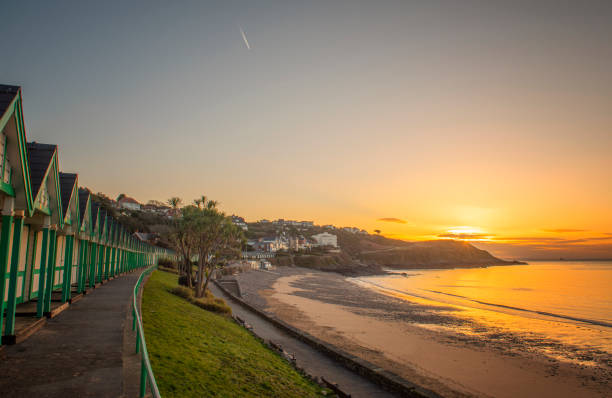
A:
(245, 39)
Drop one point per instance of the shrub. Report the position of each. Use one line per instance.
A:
(183, 280)
(183, 292)
(166, 269)
(166, 262)
(214, 305)
(209, 302)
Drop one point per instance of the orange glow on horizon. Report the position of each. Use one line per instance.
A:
(465, 230)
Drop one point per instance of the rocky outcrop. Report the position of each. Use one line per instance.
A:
(433, 254)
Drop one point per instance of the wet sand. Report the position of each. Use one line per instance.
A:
(391, 333)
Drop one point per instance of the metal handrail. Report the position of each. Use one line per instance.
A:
(146, 372)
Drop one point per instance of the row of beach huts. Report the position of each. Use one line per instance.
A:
(55, 241)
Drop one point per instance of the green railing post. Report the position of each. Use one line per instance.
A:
(141, 345)
(143, 378)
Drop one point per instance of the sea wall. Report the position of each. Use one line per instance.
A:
(387, 380)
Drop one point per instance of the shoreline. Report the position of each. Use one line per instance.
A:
(371, 269)
(390, 333)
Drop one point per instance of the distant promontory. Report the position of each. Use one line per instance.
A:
(369, 254)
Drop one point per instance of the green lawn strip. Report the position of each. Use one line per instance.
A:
(195, 353)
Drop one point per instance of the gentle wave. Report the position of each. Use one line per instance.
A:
(545, 313)
(561, 316)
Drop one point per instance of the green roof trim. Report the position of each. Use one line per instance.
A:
(58, 193)
(85, 226)
(15, 110)
(72, 215)
(23, 154)
(52, 170)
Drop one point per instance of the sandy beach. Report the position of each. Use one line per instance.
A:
(419, 342)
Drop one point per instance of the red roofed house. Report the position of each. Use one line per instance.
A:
(129, 203)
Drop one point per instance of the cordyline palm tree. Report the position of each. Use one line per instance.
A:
(217, 238)
(203, 201)
(180, 236)
(175, 202)
(204, 232)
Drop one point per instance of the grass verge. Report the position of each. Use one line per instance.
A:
(196, 353)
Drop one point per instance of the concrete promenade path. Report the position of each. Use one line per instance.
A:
(312, 361)
(79, 353)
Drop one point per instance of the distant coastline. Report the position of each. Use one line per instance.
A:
(356, 260)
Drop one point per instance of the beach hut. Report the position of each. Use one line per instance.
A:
(44, 223)
(93, 255)
(16, 202)
(67, 270)
(83, 238)
(103, 231)
(110, 233)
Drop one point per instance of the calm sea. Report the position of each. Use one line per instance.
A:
(565, 304)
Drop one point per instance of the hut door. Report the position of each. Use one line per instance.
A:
(36, 264)
(21, 269)
(58, 278)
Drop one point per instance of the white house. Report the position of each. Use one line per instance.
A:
(326, 239)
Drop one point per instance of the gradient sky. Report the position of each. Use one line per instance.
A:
(492, 116)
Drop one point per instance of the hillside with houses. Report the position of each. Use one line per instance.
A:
(348, 250)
